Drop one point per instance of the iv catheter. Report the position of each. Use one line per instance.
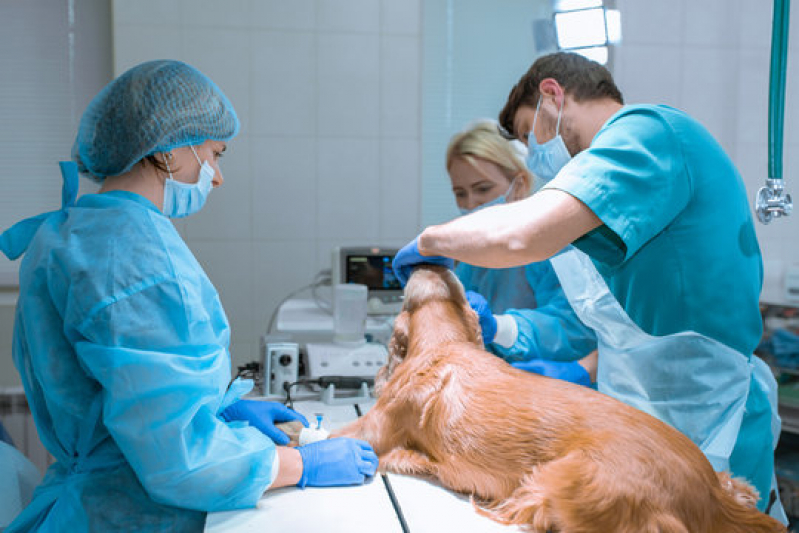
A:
(771, 201)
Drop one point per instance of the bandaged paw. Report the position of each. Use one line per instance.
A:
(309, 435)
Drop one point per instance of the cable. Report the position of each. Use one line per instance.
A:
(322, 278)
(340, 382)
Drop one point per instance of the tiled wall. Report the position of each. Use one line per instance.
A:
(711, 59)
(328, 93)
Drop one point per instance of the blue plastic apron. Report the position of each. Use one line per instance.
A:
(692, 382)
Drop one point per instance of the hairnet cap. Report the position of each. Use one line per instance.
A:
(153, 107)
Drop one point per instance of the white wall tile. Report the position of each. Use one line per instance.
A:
(282, 15)
(348, 85)
(400, 197)
(225, 63)
(213, 13)
(227, 214)
(283, 70)
(147, 12)
(400, 87)
(752, 163)
(710, 91)
(348, 15)
(400, 17)
(348, 189)
(328, 95)
(134, 44)
(280, 268)
(712, 22)
(755, 24)
(284, 188)
(229, 266)
(650, 74)
(752, 109)
(651, 21)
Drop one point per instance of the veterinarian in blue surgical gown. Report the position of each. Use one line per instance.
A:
(667, 269)
(120, 338)
(524, 314)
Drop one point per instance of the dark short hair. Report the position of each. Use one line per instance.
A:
(580, 77)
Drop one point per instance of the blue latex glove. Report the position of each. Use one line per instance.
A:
(409, 257)
(488, 324)
(566, 370)
(336, 462)
(263, 415)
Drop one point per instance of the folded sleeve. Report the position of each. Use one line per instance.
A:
(633, 177)
(159, 351)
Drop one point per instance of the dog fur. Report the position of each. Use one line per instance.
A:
(542, 453)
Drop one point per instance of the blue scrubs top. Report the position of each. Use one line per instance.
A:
(678, 247)
(531, 294)
(122, 346)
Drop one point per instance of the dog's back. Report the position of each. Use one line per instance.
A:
(533, 450)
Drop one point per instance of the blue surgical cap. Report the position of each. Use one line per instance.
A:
(154, 107)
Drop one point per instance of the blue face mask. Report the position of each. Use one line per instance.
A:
(183, 199)
(546, 160)
(499, 200)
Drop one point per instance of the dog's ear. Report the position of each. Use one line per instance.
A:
(397, 349)
(472, 324)
(470, 318)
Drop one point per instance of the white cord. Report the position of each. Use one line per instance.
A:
(322, 278)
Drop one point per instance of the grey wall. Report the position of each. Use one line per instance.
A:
(67, 44)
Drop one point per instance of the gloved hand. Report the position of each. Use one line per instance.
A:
(263, 416)
(336, 462)
(488, 323)
(566, 370)
(409, 257)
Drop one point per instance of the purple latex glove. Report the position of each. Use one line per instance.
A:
(409, 257)
(566, 370)
(263, 415)
(488, 324)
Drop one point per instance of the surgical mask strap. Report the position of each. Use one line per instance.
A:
(166, 162)
(195, 155)
(535, 117)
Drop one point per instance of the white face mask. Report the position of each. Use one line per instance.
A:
(499, 200)
(183, 199)
(546, 160)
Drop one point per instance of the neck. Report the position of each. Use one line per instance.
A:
(441, 323)
(143, 180)
(591, 116)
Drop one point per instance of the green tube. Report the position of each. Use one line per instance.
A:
(779, 64)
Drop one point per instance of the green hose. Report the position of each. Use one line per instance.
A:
(776, 100)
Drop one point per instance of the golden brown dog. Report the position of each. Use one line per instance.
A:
(531, 450)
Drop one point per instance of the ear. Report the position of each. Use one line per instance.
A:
(472, 322)
(397, 349)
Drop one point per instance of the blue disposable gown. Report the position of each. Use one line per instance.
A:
(122, 345)
(18, 477)
(531, 294)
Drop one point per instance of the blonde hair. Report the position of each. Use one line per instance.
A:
(482, 140)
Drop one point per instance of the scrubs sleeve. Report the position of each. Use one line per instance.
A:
(551, 330)
(633, 177)
(161, 360)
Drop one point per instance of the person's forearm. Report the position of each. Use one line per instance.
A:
(519, 233)
(590, 362)
(290, 469)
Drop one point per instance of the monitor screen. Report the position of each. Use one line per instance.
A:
(372, 270)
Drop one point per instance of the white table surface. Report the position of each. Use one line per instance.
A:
(425, 506)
